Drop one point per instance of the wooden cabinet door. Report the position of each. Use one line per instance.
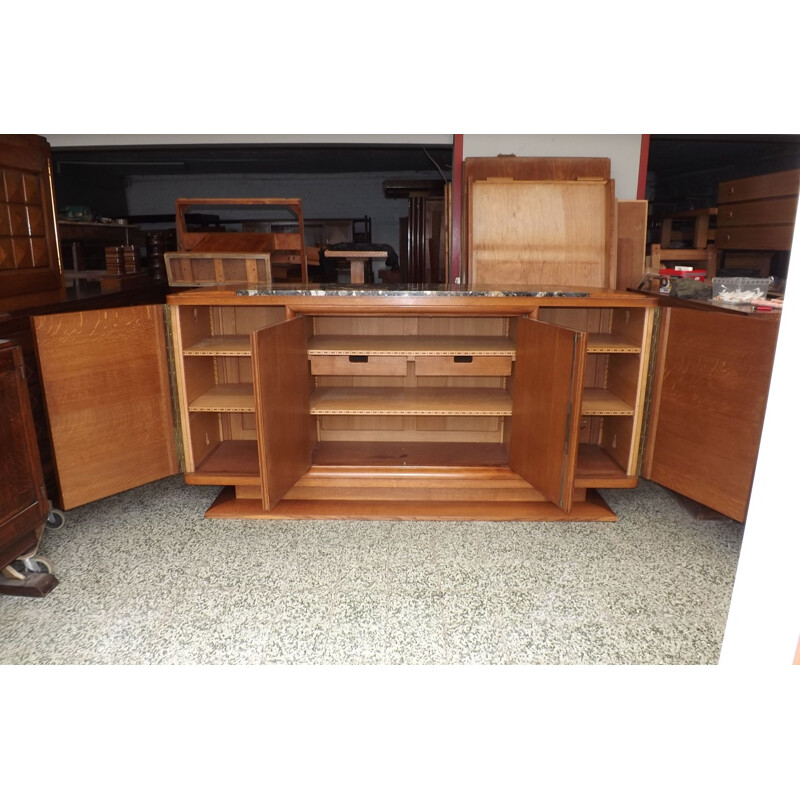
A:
(284, 426)
(107, 392)
(546, 411)
(23, 502)
(708, 402)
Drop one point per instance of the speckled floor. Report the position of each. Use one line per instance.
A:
(145, 579)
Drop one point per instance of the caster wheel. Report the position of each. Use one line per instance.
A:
(55, 520)
(37, 564)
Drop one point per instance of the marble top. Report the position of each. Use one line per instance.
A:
(404, 290)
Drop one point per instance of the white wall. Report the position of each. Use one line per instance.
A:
(623, 149)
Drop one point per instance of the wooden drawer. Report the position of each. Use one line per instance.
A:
(775, 184)
(776, 211)
(358, 365)
(463, 365)
(755, 237)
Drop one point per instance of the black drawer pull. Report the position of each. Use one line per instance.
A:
(358, 359)
(462, 359)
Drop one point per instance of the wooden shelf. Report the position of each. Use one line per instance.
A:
(596, 468)
(220, 346)
(411, 345)
(611, 343)
(387, 401)
(231, 461)
(228, 397)
(601, 403)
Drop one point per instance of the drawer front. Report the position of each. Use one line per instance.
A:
(463, 365)
(755, 237)
(358, 365)
(775, 184)
(780, 211)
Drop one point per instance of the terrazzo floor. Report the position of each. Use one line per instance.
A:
(145, 579)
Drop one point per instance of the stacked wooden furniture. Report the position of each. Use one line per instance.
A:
(310, 404)
(756, 217)
(286, 250)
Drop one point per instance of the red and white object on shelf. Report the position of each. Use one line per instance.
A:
(668, 275)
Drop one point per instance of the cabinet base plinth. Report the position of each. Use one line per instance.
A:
(592, 509)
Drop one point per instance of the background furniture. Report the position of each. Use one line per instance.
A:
(30, 267)
(288, 259)
(631, 242)
(695, 228)
(359, 262)
(756, 219)
(83, 250)
(209, 269)
(24, 506)
(698, 259)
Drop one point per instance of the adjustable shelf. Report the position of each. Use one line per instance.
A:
(612, 343)
(228, 397)
(220, 346)
(601, 402)
(387, 401)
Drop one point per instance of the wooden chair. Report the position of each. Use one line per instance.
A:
(705, 258)
(696, 227)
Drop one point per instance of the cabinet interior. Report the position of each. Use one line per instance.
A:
(613, 387)
(404, 391)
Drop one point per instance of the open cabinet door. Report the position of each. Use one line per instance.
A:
(283, 419)
(548, 382)
(107, 392)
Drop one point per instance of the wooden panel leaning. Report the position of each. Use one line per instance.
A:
(209, 269)
(631, 242)
(514, 168)
(548, 233)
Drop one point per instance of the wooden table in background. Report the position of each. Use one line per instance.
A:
(358, 260)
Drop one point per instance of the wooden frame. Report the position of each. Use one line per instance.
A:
(288, 252)
(209, 269)
(546, 233)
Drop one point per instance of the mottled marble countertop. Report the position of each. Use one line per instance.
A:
(405, 290)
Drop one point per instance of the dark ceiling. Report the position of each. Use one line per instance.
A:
(671, 156)
(680, 156)
(266, 159)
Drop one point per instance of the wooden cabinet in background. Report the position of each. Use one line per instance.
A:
(30, 266)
